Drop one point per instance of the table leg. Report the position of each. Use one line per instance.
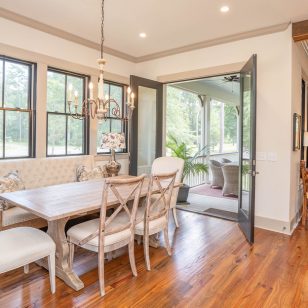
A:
(56, 230)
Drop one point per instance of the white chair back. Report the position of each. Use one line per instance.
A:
(168, 165)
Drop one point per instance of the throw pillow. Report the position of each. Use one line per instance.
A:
(9, 183)
(83, 174)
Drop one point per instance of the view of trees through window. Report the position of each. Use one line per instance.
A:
(65, 135)
(184, 122)
(15, 111)
(183, 117)
(111, 124)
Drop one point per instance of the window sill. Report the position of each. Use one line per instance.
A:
(106, 157)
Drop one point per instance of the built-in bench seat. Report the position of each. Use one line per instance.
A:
(39, 172)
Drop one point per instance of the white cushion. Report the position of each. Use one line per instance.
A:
(166, 165)
(155, 226)
(15, 215)
(81, 231)
(21, 246)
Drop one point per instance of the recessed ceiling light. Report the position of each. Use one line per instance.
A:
(143, 35)
(224, 9)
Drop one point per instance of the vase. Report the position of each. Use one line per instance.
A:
(113, 167)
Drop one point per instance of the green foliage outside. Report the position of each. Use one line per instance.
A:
(183, 121)
(179, 149)
(16, 92)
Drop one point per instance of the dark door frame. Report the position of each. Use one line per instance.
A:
(247, 221)
(135, 82)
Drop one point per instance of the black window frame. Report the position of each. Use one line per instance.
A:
(31, 108)
(122, 118)
(66, 113)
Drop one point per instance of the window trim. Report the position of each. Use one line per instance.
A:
(31, 108)
(86, 120)
(124, 123)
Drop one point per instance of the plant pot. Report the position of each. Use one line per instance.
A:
(183, 194)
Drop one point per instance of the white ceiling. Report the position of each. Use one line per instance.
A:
(168, 23)
(214, 87)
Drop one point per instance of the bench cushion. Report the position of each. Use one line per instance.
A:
(21, 246)
(16, 215)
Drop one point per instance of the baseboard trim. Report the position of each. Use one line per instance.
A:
(280, 226)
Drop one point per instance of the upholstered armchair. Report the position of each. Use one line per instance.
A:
(217, 176)
(231, 177)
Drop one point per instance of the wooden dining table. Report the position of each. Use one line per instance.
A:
(57, 204)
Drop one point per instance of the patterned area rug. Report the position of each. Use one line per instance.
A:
(206, 190)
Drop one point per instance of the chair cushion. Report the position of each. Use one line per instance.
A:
(81, 231)
(155, 225)
(21, 246)
(16, 215)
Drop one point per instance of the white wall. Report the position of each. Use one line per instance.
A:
(299, 72)
(273, 111)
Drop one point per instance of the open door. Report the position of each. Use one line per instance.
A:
(247, 163)
(147, 124)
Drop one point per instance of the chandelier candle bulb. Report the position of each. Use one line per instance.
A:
(133, 98)
(76, 98)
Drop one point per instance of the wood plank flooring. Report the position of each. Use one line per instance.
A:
(212, 266)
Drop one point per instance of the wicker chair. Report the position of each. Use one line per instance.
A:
(217, 176)
(231, 182)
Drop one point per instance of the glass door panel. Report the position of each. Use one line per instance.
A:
(146, 125)
(146, 129)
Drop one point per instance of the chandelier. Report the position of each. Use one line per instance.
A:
(103, 105)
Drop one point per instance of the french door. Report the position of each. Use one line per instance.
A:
(247, 162)
(147, 124)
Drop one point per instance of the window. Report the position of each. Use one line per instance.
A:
(183, 118)
(112, 123)
(223, 128)
(65, 135)
(17, 108)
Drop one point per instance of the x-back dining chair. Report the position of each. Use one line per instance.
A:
(170, 164)
(153, 217)
(106, 234)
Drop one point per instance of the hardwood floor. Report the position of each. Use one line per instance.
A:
(212, 266)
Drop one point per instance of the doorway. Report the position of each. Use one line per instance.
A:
(203, 114)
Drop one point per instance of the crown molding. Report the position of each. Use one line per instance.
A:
(29, 22)
(214, 42)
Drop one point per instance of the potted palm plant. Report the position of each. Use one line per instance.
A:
(179, 149)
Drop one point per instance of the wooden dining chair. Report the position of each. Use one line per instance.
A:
(106, 234)
(153, 217)
(167, 165)
(304, 176)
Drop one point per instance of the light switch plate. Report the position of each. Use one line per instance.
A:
(272, 156)
(261, 155)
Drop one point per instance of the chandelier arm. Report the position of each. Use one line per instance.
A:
(93, 105)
